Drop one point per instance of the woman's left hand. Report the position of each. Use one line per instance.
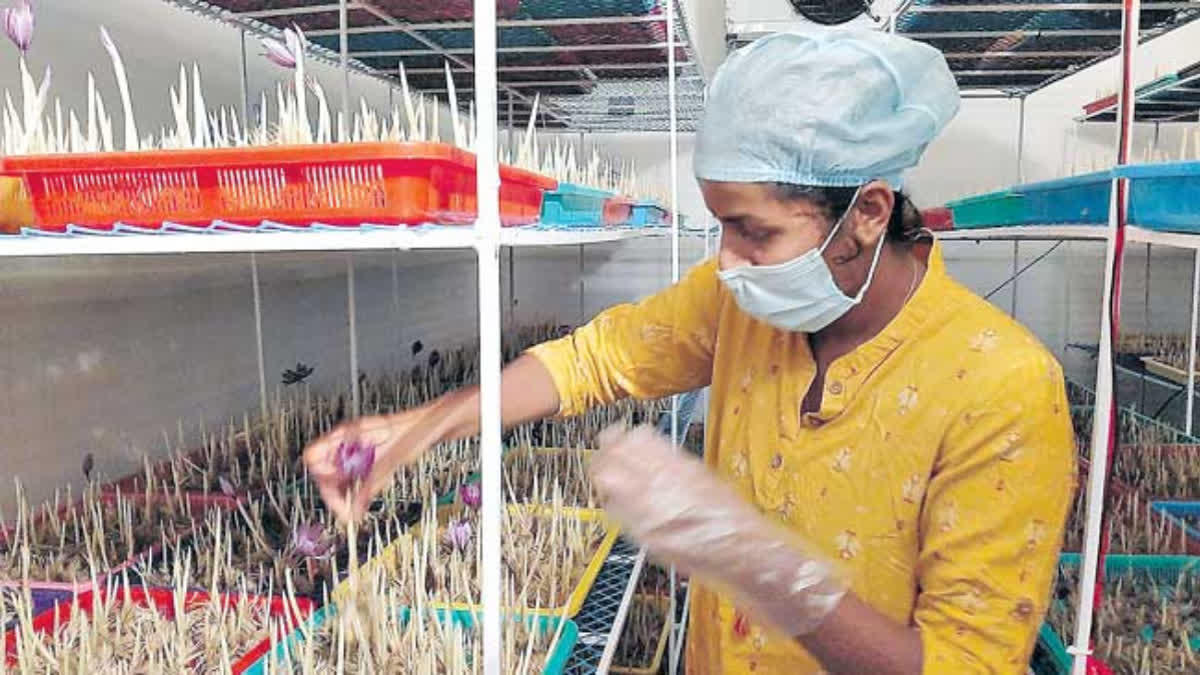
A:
(687, 516)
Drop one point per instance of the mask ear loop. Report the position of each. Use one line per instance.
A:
(840, 220)
(871, 274)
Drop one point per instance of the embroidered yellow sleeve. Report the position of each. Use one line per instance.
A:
(659, 346)
(993, 521)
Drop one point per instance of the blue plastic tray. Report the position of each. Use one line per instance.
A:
(1163, 196)
(558, 660)
(647, 214)
(1078, 200)
(1177, 512)
(573, 204)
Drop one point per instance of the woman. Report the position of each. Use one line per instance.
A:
(889, 458)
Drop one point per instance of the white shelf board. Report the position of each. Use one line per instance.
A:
(323, 239)
(1176, 239)
(1028, 233)
(519, 237)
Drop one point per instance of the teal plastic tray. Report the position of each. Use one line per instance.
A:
(576, 205)
(994, 209)
(547, 624)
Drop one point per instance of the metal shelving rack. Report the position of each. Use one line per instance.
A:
(586, 82)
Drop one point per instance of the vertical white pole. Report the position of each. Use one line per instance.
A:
(352, 315)
(672, 91)
(258, 335)
(1015, 266)
(1021, 141)
(487, 233)
(246, 123)
(397, 330)
(344, 37)
(1191, 392)
(1102, 419)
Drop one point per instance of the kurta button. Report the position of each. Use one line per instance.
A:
(777, 461)
(835, 388)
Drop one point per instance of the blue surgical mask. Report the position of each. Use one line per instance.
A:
(798, 295)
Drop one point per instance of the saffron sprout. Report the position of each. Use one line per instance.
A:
(18, 24)
(458, 534)
(471, 495)
(354, 460)
(226, 487)
(309, 541)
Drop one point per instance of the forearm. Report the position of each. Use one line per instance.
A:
(856, 638)
(527, 394)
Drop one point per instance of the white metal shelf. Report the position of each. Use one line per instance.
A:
(319, 238)
(1029, 233)
(1175, 239)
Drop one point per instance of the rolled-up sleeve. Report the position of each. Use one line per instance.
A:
(992, 523)
(660, 346)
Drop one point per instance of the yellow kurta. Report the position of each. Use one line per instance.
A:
(938, 471)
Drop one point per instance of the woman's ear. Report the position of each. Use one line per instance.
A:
(871, 213)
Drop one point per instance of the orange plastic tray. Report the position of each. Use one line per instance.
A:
(339, 184)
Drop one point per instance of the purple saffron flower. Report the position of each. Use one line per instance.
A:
(471, 495)
(458, 534)
(18, 24)
(288, 53)
(308, 541)
(278, 53)
(355, 459)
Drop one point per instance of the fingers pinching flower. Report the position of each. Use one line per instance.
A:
(354, 460)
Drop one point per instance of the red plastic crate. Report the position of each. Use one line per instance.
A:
(618, 211)
(164, 600)
(340, 184)
(938, 219)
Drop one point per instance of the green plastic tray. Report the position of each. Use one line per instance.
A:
(547, 624)
(988, 210)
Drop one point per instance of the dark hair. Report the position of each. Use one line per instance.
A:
(905, 224)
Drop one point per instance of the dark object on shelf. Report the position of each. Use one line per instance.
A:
(89, 463)
(297, 375)
(417, 347)
(831, 12)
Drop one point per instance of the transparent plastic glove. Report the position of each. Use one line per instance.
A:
(685, 515)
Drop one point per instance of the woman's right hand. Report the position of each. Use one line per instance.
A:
(399, 439)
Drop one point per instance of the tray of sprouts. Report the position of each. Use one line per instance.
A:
(644, 639)
(1135, 526)
(1148, 620)
(67, 546)
(551, 557)
(241, 460)
(1186, 516)
(1160, 470)
(124, 629)
(380, 635)
(257, 547)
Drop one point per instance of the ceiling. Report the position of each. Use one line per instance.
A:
(1015, 47)
(597, 65)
